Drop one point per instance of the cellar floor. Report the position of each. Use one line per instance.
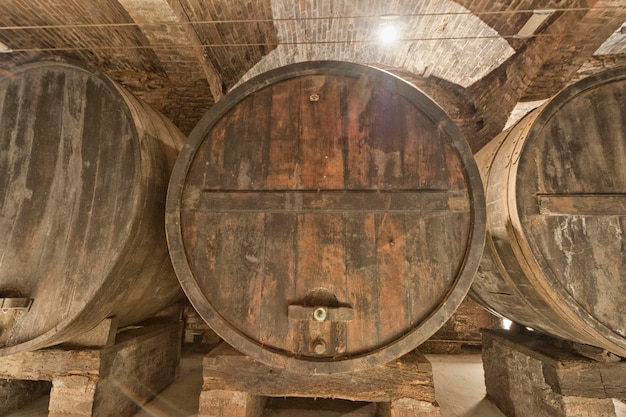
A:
(459, 388)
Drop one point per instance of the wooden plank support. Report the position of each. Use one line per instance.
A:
(100, 336)
(530, 374)
(236, 385)
(105, 382)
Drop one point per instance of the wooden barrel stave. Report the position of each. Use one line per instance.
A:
(82, 206)
(554, 257)
(324, 185)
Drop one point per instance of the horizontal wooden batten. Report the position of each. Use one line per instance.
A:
(583, 204)
(303, 201)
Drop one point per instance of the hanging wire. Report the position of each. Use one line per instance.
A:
(261, 44)
(280, 20)
(297, 19)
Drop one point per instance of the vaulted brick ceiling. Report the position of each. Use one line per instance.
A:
(182, 55)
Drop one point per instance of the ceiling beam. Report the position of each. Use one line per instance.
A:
(575, 47)
(543, 64)
(180, 63)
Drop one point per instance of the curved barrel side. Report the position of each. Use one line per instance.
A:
(555, 256)
(81, 205)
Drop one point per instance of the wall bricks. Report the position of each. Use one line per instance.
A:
(458, 48)
(245, 36)
(72, 396)
(542, 66)
(597, 64)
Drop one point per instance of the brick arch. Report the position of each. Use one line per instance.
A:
(460, 61)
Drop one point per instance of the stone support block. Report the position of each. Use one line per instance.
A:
(71, 396)
(531, 375)
(16, 393)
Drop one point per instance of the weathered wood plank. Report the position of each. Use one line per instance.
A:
(394, 281)
(407, 377)
(320, 133)
(362, 268)
(302, 201)
(321, 275)
(45, 364)
(283, 148)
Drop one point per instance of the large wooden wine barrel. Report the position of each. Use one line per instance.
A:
(325, 217)
(85, 167)
(555, 257)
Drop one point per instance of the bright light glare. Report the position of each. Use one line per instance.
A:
(4, 48)
(506, 323)
(388, 33)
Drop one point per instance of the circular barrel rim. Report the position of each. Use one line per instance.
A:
(75, 323)
(396, 348)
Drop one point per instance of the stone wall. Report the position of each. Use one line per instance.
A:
(16, 393)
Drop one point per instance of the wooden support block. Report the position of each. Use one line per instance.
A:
(407, 407)
(100, 336)
(46, 364)
(403, 387)
(530, 374)
(595, 353)
(141, 364)
(108, 382)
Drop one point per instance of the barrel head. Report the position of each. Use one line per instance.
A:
(324, 188)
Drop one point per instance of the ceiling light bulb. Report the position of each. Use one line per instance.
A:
(388, 33)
